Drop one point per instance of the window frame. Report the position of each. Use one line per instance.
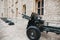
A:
(41, 7)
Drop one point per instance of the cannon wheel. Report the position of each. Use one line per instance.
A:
(33, 33)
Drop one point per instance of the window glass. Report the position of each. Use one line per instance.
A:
(42, 11)
(39, 11)
(39, 4)
(42, 3)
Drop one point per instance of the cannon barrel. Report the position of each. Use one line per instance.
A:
(26, 16)
(33, 16)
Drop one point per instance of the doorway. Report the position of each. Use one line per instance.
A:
(16, 12)
(24, 9)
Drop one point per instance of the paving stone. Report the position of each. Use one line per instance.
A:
(18, 32)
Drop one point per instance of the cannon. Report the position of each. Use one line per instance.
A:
(35, 26)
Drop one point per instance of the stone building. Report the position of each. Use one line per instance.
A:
(49, 10)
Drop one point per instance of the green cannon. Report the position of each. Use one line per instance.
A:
(35, 26)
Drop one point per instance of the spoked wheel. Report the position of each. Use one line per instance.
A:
(33, 33)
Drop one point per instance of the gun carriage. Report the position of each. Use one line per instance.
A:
(35, 26)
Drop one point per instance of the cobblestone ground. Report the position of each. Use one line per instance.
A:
(18, 32)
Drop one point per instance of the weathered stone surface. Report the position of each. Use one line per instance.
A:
(52, 10)
(17, 32)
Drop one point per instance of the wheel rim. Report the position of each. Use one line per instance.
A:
(32, 34)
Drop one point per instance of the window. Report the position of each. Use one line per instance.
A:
(41, 7)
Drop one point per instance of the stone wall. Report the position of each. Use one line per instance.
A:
(52, 10)
(1, 8)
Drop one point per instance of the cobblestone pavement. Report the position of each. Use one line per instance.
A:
(18, 32)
